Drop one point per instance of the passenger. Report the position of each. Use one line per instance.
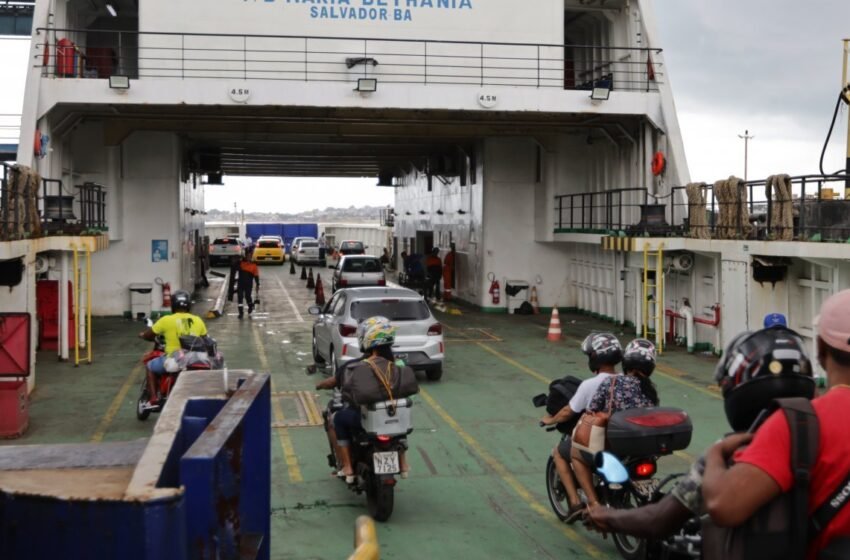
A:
(323, 247)
(377, 378)
(632, 390)
(385, 258)
(762, 471)
(744, 397)
(434, 268)
(249, 274)
(603, 352)
(171, 328)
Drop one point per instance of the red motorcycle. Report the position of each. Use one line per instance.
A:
(196, 354)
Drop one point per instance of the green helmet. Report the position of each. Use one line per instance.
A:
(374, 332)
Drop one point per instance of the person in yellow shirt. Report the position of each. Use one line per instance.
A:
(171, 328)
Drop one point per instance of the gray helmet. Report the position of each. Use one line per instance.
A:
(602, 349)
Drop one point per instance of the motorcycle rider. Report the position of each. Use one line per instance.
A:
(171, 328)
(376, 336)
(632, 390)
(249, 274)
(745, 396)
(603, 352)
(762, 471)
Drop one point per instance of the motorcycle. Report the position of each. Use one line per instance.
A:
(196, 354)
(637, 437)
(616, 479)
(375, 451)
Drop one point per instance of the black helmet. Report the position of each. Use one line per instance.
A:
(181, 300)
(639, 355)
(602, 349)
(760, 366)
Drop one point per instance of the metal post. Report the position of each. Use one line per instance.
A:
(746, 137)
(64, 277)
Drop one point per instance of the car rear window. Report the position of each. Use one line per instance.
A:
(226, 241)
(361, 265)
(309, 244)
(269, 244)
(351, 245)
(392, 309)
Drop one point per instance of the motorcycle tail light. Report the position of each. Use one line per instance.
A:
(659, 419)
(645, 469)
(435, 330)
(347, 330)
(384, 439)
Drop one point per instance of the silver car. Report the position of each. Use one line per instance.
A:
(358, 270)
(419, 338)
(307, 251)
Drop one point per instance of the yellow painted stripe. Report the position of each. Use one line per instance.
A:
(510, 479)
(277, 410)
(519, 366)
(107, 419)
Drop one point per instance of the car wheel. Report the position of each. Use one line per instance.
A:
(333, 360)
(317, 357)
(434, 374)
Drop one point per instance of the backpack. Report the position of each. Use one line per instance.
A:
(780, 529)
(560, 393)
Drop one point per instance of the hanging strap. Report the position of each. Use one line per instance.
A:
(384, 379)
(804, 431)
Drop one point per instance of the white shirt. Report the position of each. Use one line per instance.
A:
(586, 391)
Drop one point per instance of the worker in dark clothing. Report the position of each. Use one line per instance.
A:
(434, 268)
(249, 275)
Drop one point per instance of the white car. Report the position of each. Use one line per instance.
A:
(354, 271)
(307, 251)
(419, 338)
(296, 240)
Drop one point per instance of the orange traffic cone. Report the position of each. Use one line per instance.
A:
(303, 272)
(320, 290)
(534, 303)
(310, 284)
(291, 266)
(554, 334)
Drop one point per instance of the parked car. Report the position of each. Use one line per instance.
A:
(295, 241)
(269, 249)
(352, 248)
(358, 270)
(306, 252)
(224, 250)
(419, 340)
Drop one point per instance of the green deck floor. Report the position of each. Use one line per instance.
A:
(476, 489)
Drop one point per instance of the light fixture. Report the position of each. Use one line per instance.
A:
(119, 82)
(423, 212)
(440, 212)
(601, 90)
(112, 11)
(366, 85)
(461, 211)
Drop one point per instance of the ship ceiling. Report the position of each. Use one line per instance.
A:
(322, 142)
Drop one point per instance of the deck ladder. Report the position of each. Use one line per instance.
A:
(653, 295)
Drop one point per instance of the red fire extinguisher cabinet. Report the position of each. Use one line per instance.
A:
(14, 369)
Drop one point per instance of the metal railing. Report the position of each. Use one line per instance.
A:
(10, 128)
(31, 206)
(816, 211)
(79, 53)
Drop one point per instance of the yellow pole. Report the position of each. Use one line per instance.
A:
(660, 304)
(89, 342)
(76, 306)
(645, 290)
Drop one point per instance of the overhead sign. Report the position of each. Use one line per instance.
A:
(375, 10)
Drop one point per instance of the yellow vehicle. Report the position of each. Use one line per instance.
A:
(269, 250)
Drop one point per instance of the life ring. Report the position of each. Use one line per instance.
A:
(658, 164)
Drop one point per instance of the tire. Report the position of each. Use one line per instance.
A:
(630, 548)
(142, 414)
(317, 358)
(555, 490)
(380, 499)
(333, 363)
(434, 374)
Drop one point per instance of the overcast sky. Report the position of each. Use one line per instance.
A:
(770, 66)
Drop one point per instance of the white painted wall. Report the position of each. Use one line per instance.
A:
(375, 238)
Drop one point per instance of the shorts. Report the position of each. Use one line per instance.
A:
(157, 365)
(565, 447)
(346, 424)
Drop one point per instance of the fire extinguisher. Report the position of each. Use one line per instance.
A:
(65, 58)
(495, 293)
(166, 295)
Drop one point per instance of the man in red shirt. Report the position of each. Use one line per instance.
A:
(762, 471)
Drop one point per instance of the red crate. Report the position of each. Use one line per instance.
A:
(14, 409)
(47, 310)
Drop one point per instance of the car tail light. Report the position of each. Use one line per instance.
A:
(435, 330)
(347, 330)
(342, 282)
(645, 469)
(442, 348)
(659, 419)
(301, 252)
(382, 282)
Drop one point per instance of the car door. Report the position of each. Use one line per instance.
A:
(335, 318)
(323, 327)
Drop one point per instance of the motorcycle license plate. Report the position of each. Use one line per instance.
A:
(386, 462)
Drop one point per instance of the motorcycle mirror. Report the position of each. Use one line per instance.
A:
(539, 400)
(611, 469)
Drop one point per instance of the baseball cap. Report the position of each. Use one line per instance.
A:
(775, 320)
(833, 323)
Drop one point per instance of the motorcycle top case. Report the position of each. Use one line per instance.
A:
(642, 432)
(376, 419)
